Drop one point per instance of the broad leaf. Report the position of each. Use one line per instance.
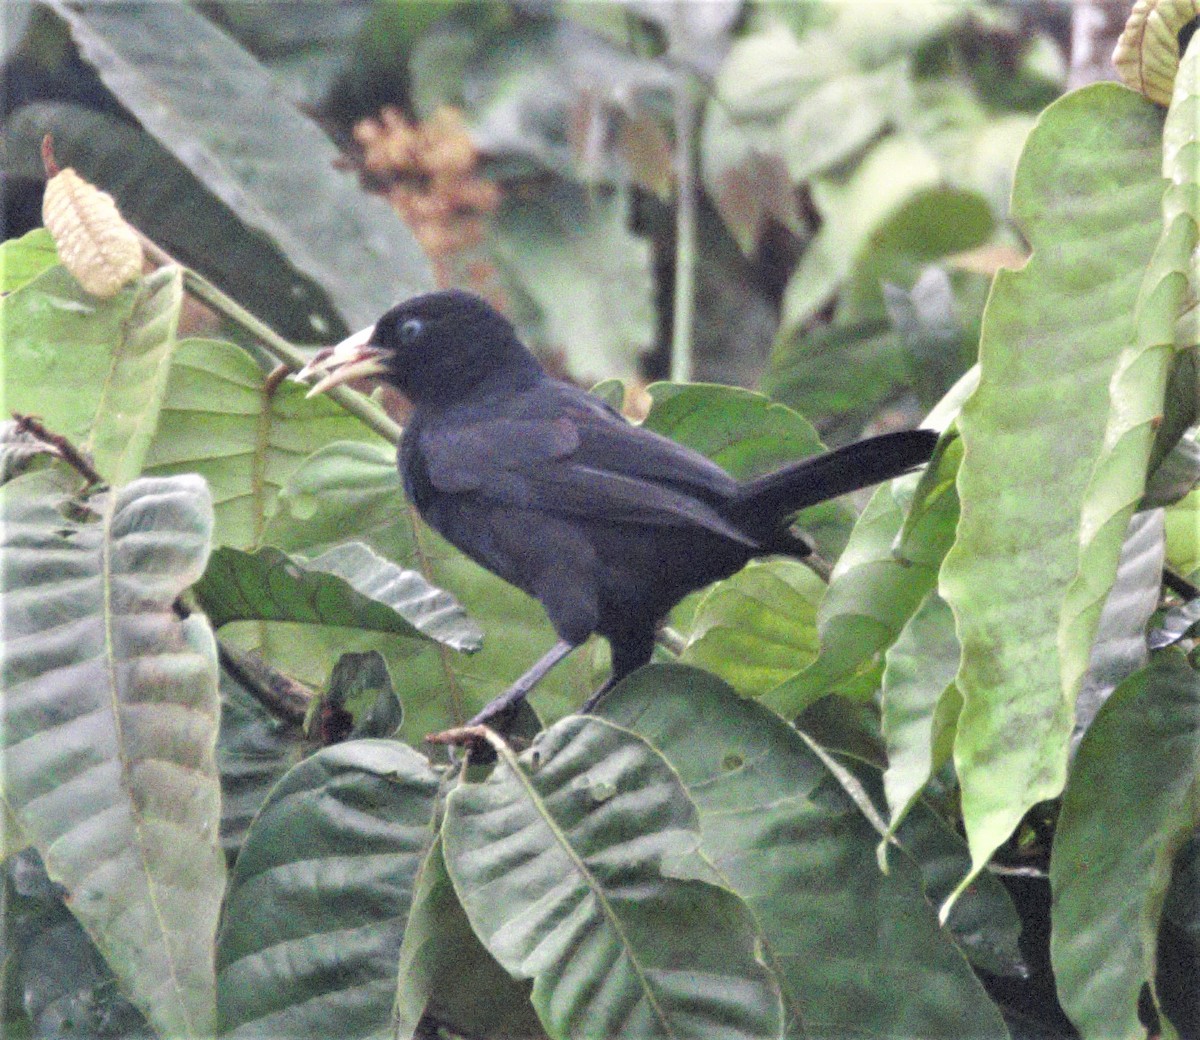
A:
(858, 952)
(321, 893)
(444, 971)
(1136, 406)
(559, 861)
(1130, 803)
(253, 149)
(222, 418)
(348, 586)
(758, 627)
(1052, 334)
(110, 718)
(93, 370)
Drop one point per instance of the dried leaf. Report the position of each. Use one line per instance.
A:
(1147, 54)
(94, 242)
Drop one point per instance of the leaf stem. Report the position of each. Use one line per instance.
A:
(273, 343)
(58, 445)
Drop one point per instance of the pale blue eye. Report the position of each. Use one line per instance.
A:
(410, 330)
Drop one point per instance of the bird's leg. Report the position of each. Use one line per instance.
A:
(519, 689)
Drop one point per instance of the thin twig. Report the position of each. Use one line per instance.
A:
(58, 445)
(284, 697)
(1179, 585)
(273, 343)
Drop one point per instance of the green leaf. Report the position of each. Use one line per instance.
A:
(858, 952)
(1052, 334)
(254, 749)
(1136, 406)
(1183, 535)
(920, 703)
(758, 627)
(160, 196)
(362, 686)
(110, 717)
(348, 586)
(223, 419)
(253, 149)
(1130, 803)
(353, 491)
(748, 435)
(92, 370)
(321, 893)
(889, 566)
(444, 971)
(558, 859)
(23, 259)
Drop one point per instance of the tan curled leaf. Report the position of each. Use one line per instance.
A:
(94, 242)
(1147, 54)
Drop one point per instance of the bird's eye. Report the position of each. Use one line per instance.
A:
(410, 330)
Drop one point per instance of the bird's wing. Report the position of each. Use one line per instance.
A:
(579, 463)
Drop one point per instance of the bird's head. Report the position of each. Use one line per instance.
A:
(442, 347)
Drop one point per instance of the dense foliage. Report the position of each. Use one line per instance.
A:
(948, 789)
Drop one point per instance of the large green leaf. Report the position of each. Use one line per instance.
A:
(321, 893)
(1052, 334)
(110, 719)
(225, 118)
(353, 491)
(758, 627)
(445, 972)
(347, 586)
(1133, 798)
(859, 952)
(559, 861)
(245, 434)
(93, 370)
(1136, 406)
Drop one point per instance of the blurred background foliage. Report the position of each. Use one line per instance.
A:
(850, 166)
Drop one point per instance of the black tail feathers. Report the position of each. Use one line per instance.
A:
(764, 504)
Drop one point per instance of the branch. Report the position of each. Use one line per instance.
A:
(274, 344)
(58, 445)
(284, 697)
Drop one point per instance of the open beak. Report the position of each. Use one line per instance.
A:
(353, 358)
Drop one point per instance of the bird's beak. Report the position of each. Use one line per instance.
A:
(353, 358)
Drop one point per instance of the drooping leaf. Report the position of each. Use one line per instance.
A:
(224, 418)
(444, 971)
(224, 117)
(321, 893)
(348, 586)
(1130, 803)
(93, 370)
(889, 566)
(1136, 406)
(758, 627)
(362, 687)
(110, 718)
(920, 703)
(558, 859)
(857, 951)
(1041, 400)
(254, 749)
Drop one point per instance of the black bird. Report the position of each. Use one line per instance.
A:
(607, 524)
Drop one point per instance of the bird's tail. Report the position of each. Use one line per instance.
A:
(761, 506)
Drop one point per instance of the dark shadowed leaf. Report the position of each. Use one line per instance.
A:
(321, 894)
(223, 115)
